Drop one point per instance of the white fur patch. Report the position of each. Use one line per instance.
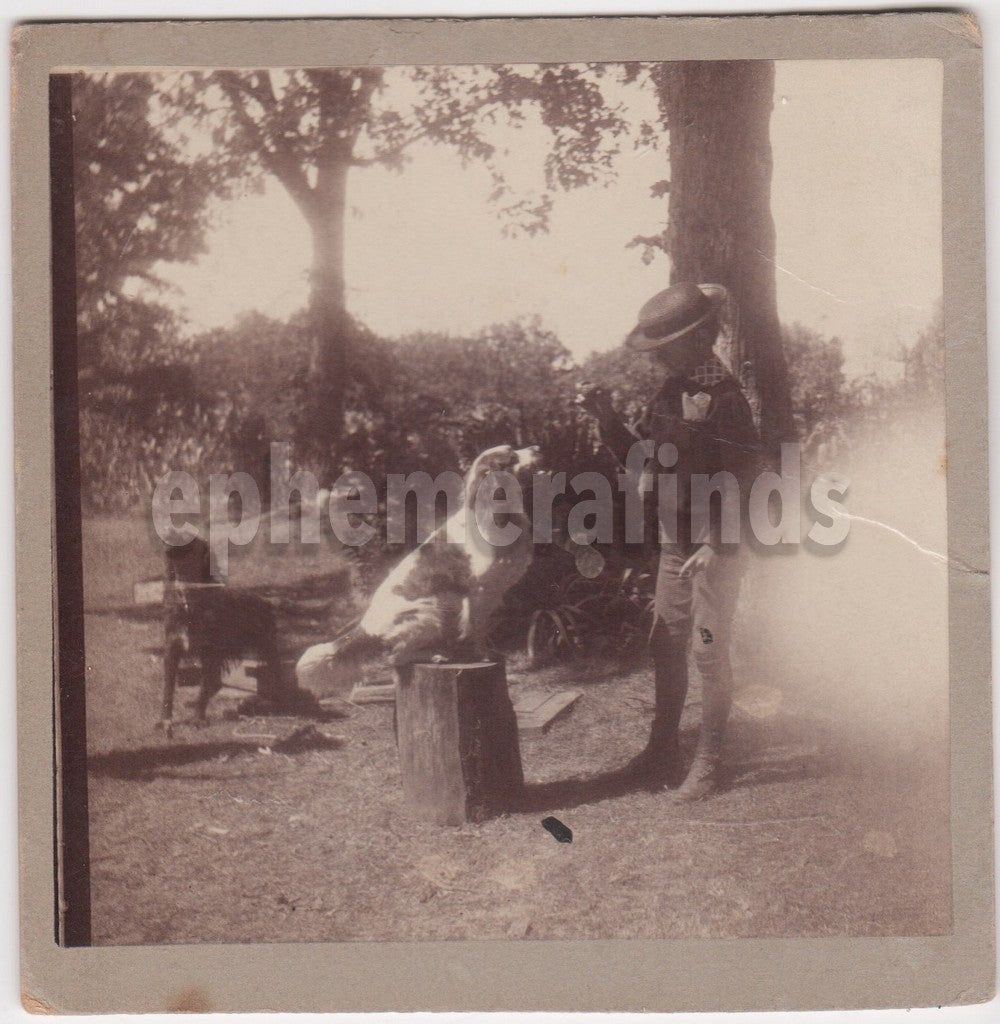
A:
(446, 590)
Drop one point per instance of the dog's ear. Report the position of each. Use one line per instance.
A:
(493, 459)
(502, 459)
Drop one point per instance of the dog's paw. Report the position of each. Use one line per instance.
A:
(166, 726)
(438, 659)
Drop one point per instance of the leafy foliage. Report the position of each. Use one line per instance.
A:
(309, 127)
(632, 378)
(819, 387)
(923, 362)
(139, 199)
(499, 386)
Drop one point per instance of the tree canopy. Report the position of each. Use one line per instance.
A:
(139, 199)
(309, 128)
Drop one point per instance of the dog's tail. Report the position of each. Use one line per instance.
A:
(322, 666)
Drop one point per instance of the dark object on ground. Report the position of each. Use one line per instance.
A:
(560, 832)
(458, 748)
(304, 737)
(216, 627)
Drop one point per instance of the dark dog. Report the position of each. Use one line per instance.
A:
(217, 627)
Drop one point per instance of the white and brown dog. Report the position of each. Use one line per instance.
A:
(436, 604)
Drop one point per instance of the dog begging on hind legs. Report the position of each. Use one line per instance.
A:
(214, 626)
(436, 604)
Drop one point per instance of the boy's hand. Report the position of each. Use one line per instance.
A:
(698, 562)
(595, 401)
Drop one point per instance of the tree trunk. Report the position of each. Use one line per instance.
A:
(329, 324)
(720, 227)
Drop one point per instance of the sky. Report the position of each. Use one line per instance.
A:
(856, 199)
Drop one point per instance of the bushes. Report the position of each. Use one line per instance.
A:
(429, 402)
(607, 614)
(124, 452)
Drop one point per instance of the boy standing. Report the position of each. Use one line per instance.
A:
(700, 411)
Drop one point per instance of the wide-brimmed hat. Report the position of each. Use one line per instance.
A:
(674, 313)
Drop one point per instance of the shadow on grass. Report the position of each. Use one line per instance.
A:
(145, 763)
(769, 771)
(789, 749)
(566, 793)
(747, 764)
(570, 672)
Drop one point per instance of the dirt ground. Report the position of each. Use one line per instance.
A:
(224, 835)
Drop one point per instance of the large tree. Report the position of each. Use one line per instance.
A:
(310, 128)
(720, 228)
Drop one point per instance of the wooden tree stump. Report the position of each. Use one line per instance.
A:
(458, 747)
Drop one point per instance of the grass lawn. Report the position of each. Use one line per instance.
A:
(221, 835)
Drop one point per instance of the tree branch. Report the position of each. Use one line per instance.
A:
(272, 147)
(429, 128)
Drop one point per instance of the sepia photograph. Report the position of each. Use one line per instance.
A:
(502, 500)
(298, 288)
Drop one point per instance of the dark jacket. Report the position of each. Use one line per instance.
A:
(711, 434)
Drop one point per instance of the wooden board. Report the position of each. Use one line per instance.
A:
(239, 681)
(151, 591)
(147, 592)
(380, 693)
(536, 710)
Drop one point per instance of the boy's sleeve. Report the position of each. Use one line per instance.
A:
(738, 444)
(619, 438)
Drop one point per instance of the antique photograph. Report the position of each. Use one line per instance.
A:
(504, 500)
(309, 302)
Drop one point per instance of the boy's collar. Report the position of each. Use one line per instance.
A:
(706, 374)
(709, 373)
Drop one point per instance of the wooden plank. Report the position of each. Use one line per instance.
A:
(239, 680)
(147, 592)
(235, 692)
(381, 693)
(529, 701)
(536, 710)
(151, 591)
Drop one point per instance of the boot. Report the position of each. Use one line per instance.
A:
(703, 776)
(702, 779)
(658, 764)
